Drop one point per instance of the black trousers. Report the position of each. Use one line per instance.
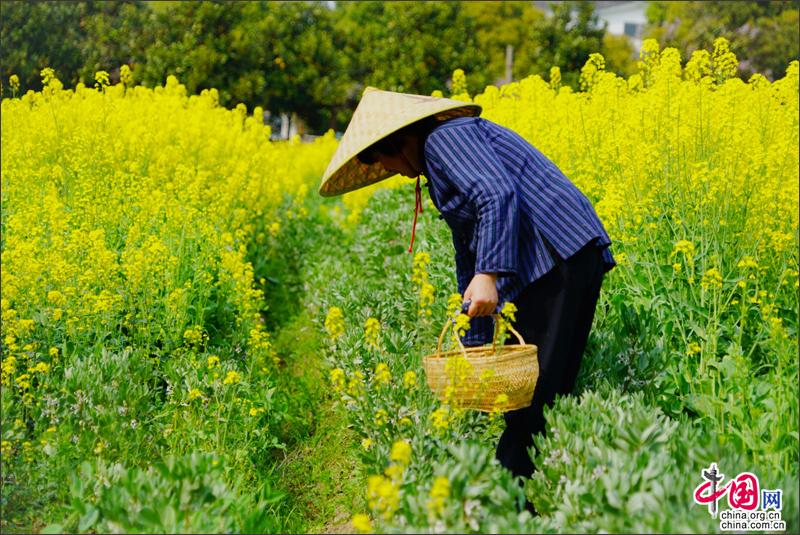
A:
(555, 312)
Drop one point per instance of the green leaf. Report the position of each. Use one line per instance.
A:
(88, 520)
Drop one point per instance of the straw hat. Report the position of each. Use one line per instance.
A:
(379, 114)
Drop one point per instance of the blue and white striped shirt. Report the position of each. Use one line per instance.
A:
(502, 198)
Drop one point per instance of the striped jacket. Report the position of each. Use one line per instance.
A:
(506, 204)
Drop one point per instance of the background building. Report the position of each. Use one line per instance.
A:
(621, 18)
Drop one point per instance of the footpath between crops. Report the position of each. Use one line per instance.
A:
(321, 472)
(319, 469)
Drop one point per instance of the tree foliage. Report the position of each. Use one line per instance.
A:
(314, 58)
(498, 24)
(30, 42)
(566, 39)
(410, 47)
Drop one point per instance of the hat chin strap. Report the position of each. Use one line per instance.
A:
(417, 209)
(417, 195)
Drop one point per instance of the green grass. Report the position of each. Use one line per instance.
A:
(322, 470)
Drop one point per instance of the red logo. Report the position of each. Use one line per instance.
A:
(743, 491)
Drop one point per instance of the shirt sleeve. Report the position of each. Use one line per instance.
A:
(472, 167)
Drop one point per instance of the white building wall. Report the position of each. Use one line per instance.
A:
(616, 15)
(624, 18)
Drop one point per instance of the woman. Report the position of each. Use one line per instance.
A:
(522, 232)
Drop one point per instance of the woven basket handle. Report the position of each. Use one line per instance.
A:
(452, 321)
(497, 330)
(448, 323)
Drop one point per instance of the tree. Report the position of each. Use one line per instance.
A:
(762, 33)
(30, 42)
(619, 55)
(116, 34)
(282, 56)
(498, 24)
(411, 47)
(565, 40)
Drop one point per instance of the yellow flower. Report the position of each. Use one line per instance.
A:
(401, 452)
(194, 393)
(55, 297)
(454, 304)
(232, 377)
(509, 311)
(366, 443)
(362, 523)
(747, 262)
(462, 324)
(711, 278)
(194, 335)
(440, 491)
(501, 401)
(337, 379)
(394, 471)
(440, 418)
(686, 248)
(255, 411)
(213, 361)
(23, 381)
(410, 379)
(334, 323)
(405, 420)
(355, 385)
(9, 368)
(101, 77)
(381, 417)
(383, 495)
(693, 348)
(426, 298)
(41, 367)
(382, 374)
(126, 76)
(372, 328)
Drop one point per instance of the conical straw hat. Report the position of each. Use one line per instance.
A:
(378, 114)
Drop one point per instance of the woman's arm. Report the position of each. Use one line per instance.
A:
(472, 167)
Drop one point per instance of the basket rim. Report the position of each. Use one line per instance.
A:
(509, 352)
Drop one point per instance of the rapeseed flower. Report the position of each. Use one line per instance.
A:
(401, 452)
(410, 379)
(440, 491)
(362, 523)
(232, 377)
(382, 374)
(337, 379)
(334, 323)
(372, 328)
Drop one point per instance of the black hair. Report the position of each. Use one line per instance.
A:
(386, 146)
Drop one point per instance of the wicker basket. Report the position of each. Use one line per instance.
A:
(508, 369)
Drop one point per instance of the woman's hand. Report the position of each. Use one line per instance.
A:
(482, 291)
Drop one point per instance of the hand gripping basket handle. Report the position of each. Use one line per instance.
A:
(496, 316)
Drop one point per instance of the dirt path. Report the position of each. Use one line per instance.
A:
(323, 472)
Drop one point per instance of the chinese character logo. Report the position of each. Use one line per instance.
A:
(712, 479)
(771, 499)
(742, 491)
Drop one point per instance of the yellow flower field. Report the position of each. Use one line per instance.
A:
(150, 237)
